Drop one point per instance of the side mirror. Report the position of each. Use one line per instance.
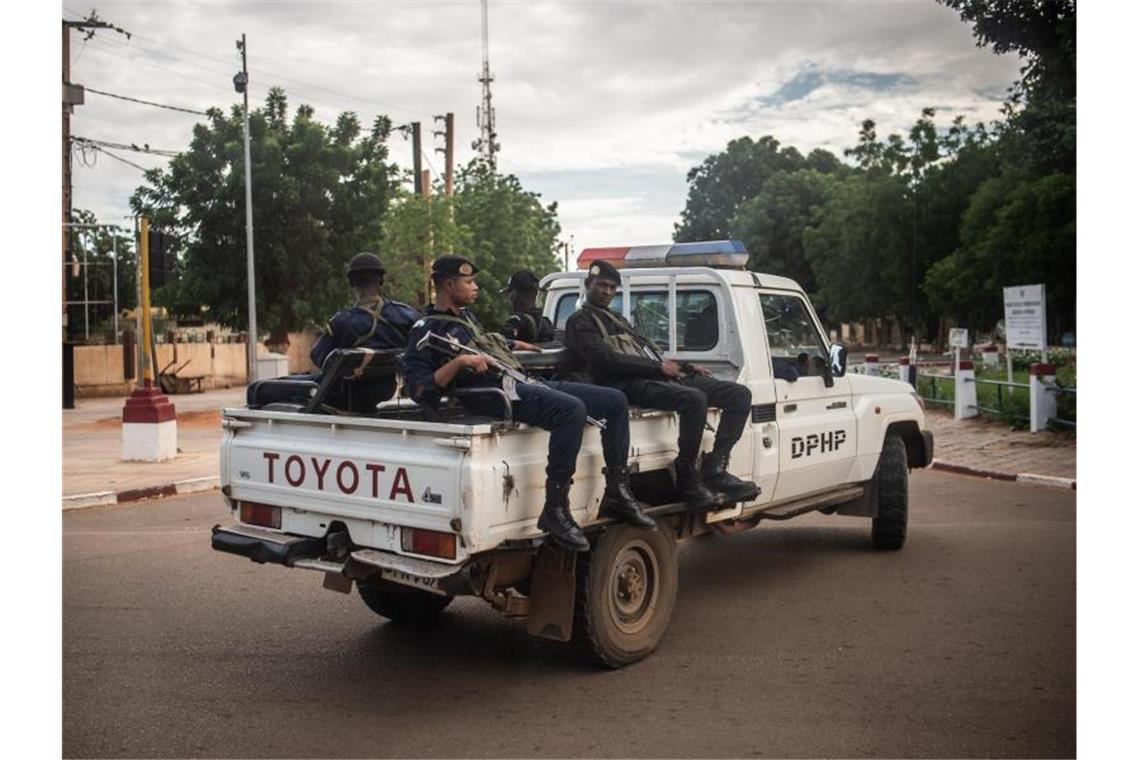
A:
(838, 360)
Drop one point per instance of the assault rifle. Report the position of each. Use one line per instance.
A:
(452, 348)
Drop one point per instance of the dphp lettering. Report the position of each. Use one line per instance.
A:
(345, 477)
(806, 445)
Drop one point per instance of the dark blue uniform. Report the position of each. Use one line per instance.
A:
(560, 407)
(363, 326)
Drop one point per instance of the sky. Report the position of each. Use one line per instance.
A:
(602, 107)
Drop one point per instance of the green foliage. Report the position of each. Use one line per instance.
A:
(319, 196)
(506, 228)
(725, 181)
(416, 231)
(99, 246)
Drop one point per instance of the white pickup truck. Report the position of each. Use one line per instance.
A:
(417, 506)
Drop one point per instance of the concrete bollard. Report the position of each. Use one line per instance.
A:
(871, 364)
(150, 428)
(1042, 402)
(907, 371)
(965, 391)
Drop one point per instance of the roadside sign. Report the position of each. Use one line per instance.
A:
(1025, 316)
(959, 337)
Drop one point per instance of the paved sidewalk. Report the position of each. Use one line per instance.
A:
(986, 445)
(94, 474)
(92, 446)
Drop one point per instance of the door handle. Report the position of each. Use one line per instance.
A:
(789, 408)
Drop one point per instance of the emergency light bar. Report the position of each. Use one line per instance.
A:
(723, 254)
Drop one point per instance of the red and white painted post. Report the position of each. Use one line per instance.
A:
(965, 391)
(904, 369)
(1042, 401)
(871, 364)
(150, 427)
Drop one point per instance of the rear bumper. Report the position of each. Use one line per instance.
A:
(265, 545)
(299, 551)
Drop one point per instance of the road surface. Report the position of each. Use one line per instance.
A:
(792, 640)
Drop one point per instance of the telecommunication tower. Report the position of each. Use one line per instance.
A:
(485, 114)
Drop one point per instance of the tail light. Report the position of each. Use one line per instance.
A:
(428, 542)
(253, 513)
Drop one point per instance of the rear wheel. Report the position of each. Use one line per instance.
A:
(401, 604)
(627, 586)
(888, 530)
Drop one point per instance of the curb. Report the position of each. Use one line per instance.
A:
(1069, 484)
(110, 498)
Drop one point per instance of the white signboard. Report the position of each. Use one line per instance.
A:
(1025, 316)
(959, 337)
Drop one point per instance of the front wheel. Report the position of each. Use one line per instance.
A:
(627, 586)
(888, 530)
(401, 604)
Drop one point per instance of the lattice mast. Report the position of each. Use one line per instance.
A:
(485, 113)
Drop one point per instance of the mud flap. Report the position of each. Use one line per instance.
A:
(552, 593)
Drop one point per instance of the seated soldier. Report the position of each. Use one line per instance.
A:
(374, 322)
(559, 407)
(619, 356)
(526, 321)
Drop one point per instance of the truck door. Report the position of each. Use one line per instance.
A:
(816, 422)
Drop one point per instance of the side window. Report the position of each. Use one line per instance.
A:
(567, 305)
(796, 346)
(649, 313)
(698, 325)
(697, 318)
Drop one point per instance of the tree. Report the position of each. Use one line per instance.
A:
(507, 228)
(416, 231)
(724, 182)
(319, 195)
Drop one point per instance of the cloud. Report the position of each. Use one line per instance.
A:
(593, 101)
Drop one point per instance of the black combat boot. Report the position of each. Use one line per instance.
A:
(619, 502)
(556, 520)
(690, 488)
(715, 474)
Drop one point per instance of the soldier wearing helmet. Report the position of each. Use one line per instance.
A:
(372, 322)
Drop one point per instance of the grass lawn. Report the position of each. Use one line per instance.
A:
(1011, 404)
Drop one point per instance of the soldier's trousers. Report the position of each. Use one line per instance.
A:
(691, 397)
(561, 408)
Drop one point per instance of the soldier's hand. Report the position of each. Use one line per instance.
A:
(670, 368)
(477, 364)
(522, 345)
(701, 370)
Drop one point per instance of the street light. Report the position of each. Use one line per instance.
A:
(241, 84)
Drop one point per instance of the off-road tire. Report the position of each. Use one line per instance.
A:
(888, 530)
(626, 589)
(400, 604)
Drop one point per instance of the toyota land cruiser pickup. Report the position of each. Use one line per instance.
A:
(416, 506)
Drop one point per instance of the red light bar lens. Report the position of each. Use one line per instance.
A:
(428, 542)
(253, 513)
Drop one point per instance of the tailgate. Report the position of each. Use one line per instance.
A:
(374, 476)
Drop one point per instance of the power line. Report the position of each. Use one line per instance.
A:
(123, 146)
(106, 152)
(145, 102)
(261, 73)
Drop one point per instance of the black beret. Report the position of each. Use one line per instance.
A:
(454, 265)
(606, 271)
(365, 262)
(523, 281)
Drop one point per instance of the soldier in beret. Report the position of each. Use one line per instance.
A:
(373, 322)
(527, 321)
(558, 407)
(619, 356)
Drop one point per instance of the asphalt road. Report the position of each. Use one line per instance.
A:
(792, 640)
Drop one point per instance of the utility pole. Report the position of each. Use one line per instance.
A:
(485, 114)
(241, 84)
(448, 151)
(417, 167)
(72, 96)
